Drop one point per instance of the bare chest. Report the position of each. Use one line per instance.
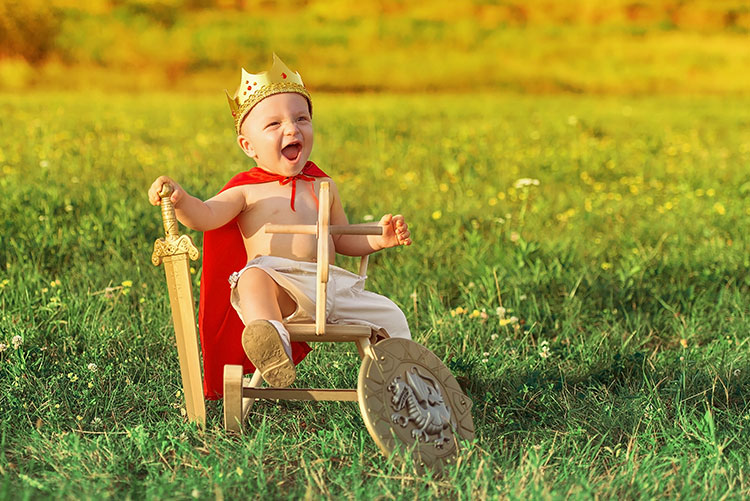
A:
(272, 203)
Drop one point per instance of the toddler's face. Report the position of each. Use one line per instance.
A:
(278, 133)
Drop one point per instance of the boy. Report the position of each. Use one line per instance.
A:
(272, 277)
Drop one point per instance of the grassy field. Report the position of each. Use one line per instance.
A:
(598, 319)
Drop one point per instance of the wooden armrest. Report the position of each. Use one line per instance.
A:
(312, 229)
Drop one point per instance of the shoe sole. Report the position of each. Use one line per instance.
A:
(264, 348)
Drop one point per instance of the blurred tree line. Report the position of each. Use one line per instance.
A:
(537, 45)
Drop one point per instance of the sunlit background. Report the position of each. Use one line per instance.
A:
(532, 46)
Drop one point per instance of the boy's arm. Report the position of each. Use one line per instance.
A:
(395, 231)
(195, 213)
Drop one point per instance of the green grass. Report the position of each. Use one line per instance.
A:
(627, 373)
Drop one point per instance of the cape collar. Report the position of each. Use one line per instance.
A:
(256, 175)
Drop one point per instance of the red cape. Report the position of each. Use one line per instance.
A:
(220, 326)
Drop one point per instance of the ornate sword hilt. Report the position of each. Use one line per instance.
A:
(167, 212)
(173, 243)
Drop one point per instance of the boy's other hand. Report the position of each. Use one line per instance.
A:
(155, 189)
(395, 231)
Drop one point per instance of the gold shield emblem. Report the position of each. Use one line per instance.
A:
(407, 394)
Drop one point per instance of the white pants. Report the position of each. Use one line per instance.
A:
(347, 302)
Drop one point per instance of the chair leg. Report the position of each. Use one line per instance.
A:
(247, 403)
(233, 398)
(363, 344)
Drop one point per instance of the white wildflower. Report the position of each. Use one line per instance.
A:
(500, 312)
(92, 367)
(17, 341)
(544, 350)
(525, 182)
(3, 347)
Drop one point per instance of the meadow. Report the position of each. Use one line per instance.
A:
(580, 263)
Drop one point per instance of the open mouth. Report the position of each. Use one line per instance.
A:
(292, 151)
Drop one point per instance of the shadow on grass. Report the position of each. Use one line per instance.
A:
(614, 399)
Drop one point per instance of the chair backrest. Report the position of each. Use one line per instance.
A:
(323, 230)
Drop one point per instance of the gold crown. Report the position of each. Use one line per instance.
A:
(254, 88)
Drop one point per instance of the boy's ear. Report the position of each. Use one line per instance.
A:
(246, 146)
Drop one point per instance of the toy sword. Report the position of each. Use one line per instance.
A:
(173, 250)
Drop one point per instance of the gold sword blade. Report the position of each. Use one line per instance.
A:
(180, 288)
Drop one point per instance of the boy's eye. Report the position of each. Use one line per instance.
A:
(272, 124)
(302, 119)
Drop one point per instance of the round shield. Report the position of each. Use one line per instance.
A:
(407, 395)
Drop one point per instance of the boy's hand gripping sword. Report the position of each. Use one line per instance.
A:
(173, 250)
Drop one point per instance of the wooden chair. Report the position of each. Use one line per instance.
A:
(239, 392)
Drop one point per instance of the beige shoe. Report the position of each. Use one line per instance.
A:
(262, 344)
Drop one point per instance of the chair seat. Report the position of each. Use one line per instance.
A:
(334, 333)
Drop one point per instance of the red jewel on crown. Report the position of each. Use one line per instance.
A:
(283, 75)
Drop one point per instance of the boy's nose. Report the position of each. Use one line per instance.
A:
(290, 128)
